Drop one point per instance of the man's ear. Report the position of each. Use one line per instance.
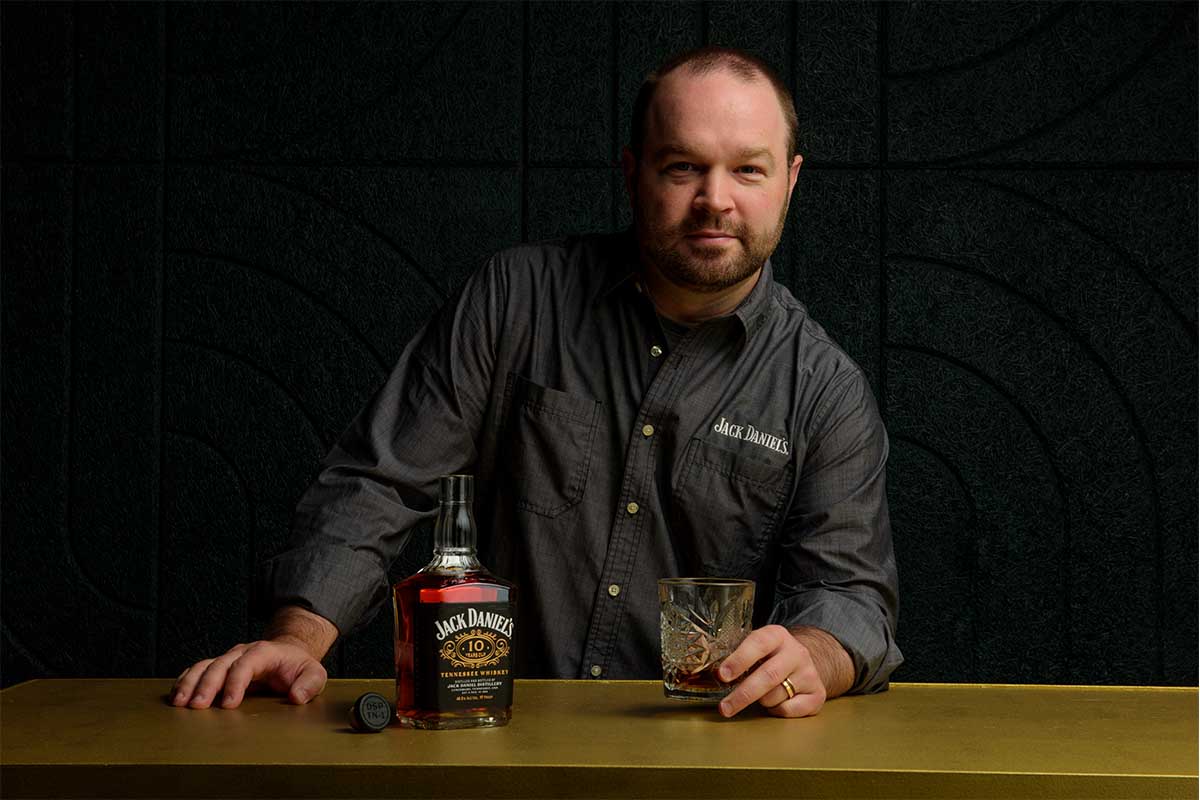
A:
(794, 172)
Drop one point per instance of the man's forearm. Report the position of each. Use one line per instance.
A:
(829, 657)
(301, 627)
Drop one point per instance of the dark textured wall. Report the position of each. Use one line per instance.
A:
(221, 223)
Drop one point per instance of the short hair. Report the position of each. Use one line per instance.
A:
(705, 60)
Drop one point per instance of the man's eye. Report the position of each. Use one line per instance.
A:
(751, 169)
(680, 166)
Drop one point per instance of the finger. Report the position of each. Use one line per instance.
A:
(755, 647)
(760, 682)
(185, 684)
(776, 696)
(805, 681)
(252, 664)
(308, 684)
(212, 680)
(802, 705)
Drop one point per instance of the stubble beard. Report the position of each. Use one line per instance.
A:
(712, 269)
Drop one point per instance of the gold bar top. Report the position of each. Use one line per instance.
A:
(120, 738)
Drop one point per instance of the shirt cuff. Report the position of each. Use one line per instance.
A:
(861, 627)
(345, 586)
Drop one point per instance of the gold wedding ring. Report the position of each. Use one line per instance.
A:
(787, 687)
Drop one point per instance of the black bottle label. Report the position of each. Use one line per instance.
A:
(463, 655)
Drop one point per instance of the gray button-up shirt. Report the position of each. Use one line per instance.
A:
(609, 455)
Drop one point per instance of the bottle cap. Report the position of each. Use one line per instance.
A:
(370, 713)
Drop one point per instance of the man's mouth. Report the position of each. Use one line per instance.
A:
(710, 236)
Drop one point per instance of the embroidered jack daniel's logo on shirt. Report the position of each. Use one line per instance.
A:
(748, 433)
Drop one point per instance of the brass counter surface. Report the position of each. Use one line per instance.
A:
(119, 738)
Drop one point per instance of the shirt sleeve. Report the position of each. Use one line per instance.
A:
(837, 569)
(380, 479)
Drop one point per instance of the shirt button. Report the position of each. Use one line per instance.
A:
(647, 431)
(655, 351)
(596, 670)
(613, 589)
(632, 508)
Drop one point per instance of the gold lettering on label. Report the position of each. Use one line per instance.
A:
(475, 648)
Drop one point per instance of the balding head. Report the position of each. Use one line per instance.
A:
(704, 61)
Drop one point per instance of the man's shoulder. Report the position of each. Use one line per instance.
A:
(557, 253)
(815, 349)
(558, 271)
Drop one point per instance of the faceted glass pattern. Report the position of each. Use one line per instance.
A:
(702, 620)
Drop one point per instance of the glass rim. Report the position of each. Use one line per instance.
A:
(741, 582)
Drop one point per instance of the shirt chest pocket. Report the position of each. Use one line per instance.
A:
(546, 446)
(726, 506)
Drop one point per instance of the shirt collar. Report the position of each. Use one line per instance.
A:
(752, 311)
(624, 266)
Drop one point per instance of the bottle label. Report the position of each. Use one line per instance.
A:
(468, 655)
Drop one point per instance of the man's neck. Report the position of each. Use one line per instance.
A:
(688, 306)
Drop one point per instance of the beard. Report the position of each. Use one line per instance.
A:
(708, 268)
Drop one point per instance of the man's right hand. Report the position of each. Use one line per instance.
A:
(286, 663)
(283, 668)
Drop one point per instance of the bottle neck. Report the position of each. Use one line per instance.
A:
(454, 536)
(455, 529)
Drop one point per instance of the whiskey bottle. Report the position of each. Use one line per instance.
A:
(453, 628)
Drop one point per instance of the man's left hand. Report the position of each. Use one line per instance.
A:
(811, 660)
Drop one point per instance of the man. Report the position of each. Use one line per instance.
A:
(633, 406)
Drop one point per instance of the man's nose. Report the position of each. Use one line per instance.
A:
(713, 195)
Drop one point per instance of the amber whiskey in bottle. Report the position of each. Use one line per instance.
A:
(454, 628)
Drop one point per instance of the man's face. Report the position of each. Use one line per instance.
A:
(710, 194)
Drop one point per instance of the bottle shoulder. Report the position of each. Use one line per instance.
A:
(457, 586)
